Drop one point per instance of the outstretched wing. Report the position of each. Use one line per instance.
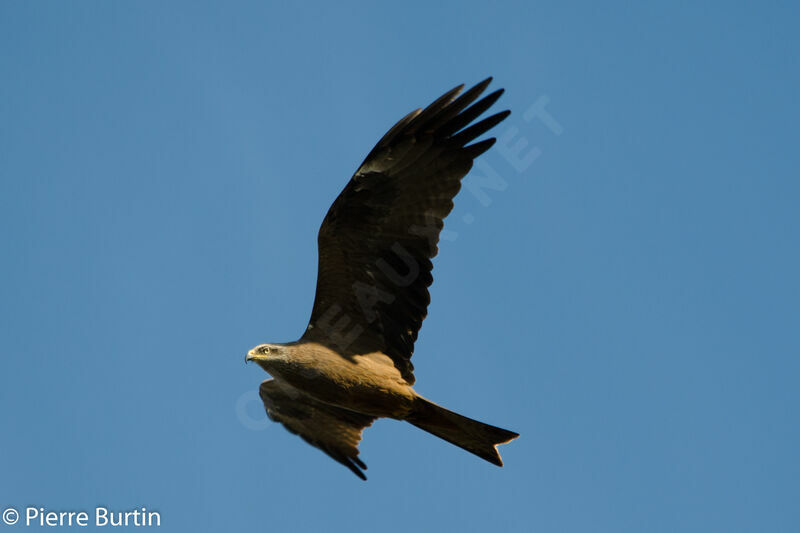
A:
(379, 236)
(333, 430)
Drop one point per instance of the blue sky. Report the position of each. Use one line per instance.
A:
(628, 301)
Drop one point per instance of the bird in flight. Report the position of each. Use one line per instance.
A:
(353, 363)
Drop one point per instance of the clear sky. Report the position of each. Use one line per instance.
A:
(625, 297)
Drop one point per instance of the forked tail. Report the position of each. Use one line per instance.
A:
(471, 435)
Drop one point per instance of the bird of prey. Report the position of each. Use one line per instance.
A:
(353, 363)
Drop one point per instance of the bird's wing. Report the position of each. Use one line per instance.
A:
(378, 238)
(333, 430)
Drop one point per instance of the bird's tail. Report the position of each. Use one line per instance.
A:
(471, 435)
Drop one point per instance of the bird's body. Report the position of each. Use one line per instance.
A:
(353, 363)
(366, 383)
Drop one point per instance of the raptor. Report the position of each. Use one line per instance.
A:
(353, 363)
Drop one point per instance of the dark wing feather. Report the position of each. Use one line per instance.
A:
(379, 236)
(333, 430)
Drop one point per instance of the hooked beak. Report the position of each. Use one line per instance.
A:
(251, 356)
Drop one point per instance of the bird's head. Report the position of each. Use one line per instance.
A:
(264, 352)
